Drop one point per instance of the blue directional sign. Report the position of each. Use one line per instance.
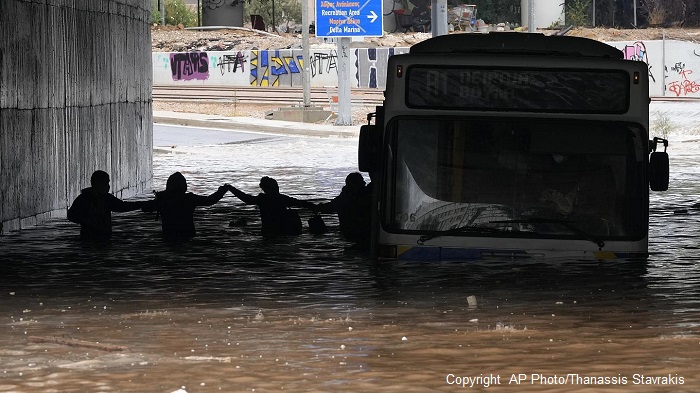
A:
(349, 18)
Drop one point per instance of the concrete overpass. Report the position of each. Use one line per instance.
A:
(75, 96)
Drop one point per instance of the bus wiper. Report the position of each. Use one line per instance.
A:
(565, 223)
(466, 229)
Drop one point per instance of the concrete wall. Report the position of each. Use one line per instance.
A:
(269, 68)
(674, 67)
(75, 96)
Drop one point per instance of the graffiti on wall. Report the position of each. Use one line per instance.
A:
(189, 66)
(324, 63)
(371, 65)
(162, 60)
(283, 67)
(275, 68)
(638, 52)
(229, 63)
(684, 85)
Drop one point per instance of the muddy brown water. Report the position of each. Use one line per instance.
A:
(232, 312)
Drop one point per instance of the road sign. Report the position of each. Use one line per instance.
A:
(349, 18)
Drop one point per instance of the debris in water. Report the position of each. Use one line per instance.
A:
(72, 342)
(220, 359)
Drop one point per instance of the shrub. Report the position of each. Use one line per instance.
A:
(662, 124)
(577, 13)
(176, 12)
(286, 11)
(656, 12)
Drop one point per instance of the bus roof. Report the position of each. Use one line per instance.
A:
(516, 43)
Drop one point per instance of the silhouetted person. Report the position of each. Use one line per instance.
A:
(275, 213)
(353, 206)
(176, 207)
(93, 208)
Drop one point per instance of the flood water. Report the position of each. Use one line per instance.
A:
(233, 312)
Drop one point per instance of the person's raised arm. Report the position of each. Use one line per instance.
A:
(291, 201)
(117, 205)
(329, 207)
(150, 205)
(246, 198)
(213, 198)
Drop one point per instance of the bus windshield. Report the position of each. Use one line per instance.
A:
(524, 176)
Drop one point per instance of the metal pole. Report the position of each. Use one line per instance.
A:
(438, 17)
(635, 12)
(663, 63)
(199, 13)
(274, 26)
(593, 13)
(162, 12)
(531, 16)
(306, 67)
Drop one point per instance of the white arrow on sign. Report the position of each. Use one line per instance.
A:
(372, 17)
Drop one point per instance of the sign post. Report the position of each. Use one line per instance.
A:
(349, 18)
(344, 19)
(344, 92)
(305, 67)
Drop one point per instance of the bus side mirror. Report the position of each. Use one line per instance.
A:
(658, 171)
(658, 165)
(369, 148)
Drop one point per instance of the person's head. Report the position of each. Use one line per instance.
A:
(269, 185)
(100, 181)
(176, 183)
(355, 181)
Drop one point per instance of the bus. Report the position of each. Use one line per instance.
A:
(512, 145)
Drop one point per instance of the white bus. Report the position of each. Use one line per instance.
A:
(512, 145)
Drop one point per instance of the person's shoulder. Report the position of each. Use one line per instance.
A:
(88, 193)
(286, 197)
(191, 196)
(82, 196)
(169, 198)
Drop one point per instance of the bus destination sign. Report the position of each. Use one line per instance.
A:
(349, 18)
